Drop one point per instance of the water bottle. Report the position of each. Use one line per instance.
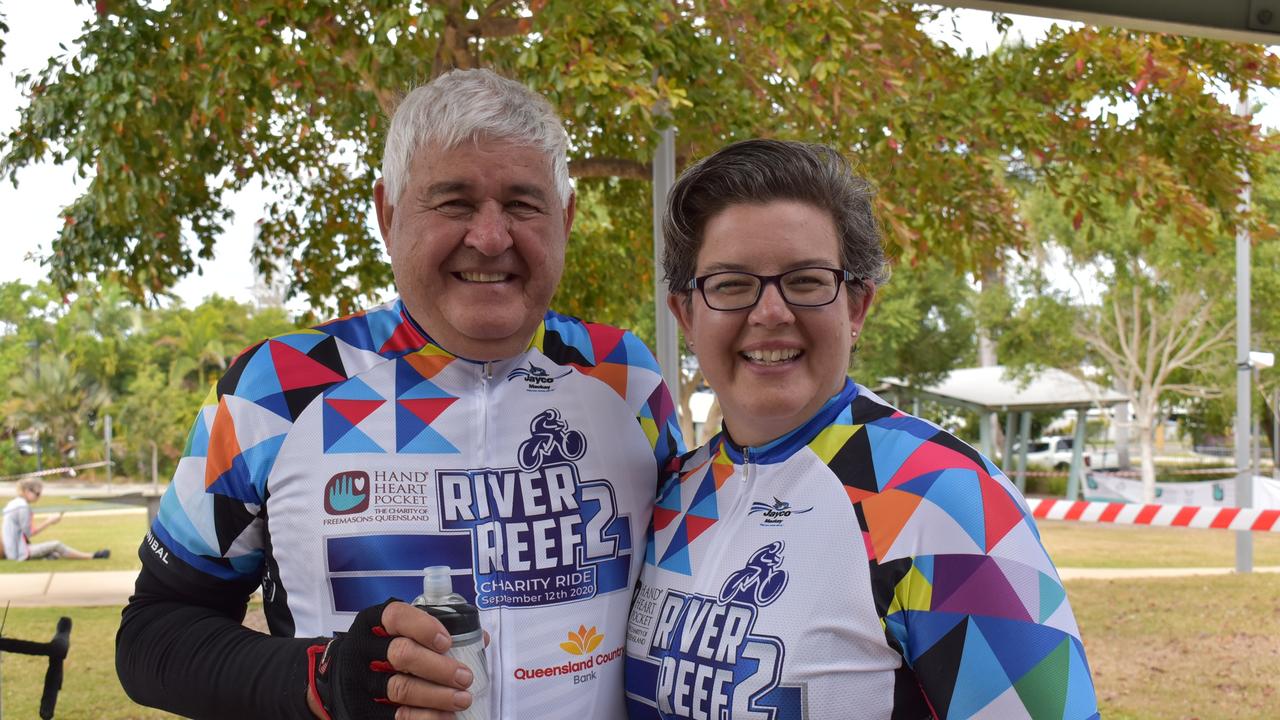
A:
(461, 620)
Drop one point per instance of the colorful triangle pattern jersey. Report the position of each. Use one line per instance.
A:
(868, 564)
(330, 465)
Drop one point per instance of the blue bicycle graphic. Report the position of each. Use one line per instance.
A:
(550, 437)
(761, 581)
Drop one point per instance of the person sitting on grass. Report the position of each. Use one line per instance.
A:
(17, 529)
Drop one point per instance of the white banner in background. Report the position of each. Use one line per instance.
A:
(1105, 487)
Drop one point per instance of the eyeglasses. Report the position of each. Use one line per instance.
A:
(802, 287)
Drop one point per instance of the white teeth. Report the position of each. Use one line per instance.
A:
(483, 277)
(771, 356)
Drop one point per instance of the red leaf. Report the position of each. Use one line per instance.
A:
(1139, 86)
(1079, 66)
(1078, 220)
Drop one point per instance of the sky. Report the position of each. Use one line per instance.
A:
(32, 210)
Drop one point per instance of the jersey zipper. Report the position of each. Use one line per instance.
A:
(495, 649)
(716, 570)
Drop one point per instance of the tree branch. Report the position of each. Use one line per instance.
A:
(496, 27)
(610, 167)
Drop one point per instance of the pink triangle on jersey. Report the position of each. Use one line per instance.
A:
(405, 337)
(296, 370)
(354, 410)
(662, 517)
(999, 511)
(697, 525)
(427, 409)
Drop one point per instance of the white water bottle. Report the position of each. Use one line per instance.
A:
(461, 620)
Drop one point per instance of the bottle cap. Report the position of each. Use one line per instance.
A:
(436, 582)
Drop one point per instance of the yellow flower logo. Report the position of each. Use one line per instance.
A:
(583, 641)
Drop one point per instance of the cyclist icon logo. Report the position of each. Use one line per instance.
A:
(550, 439)
(761, 581)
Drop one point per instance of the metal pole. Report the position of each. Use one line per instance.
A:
(985, 441)
(1275, 434)
(39, 439)
(106, 440)
(1010, 417)
(1244, 395)
(1077, 455)
(664, 326)
(1255, 456)
(1024, 436)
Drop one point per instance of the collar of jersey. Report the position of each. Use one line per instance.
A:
(781, 448)
(428, 340)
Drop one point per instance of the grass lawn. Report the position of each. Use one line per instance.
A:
(122, 533)
(1195, 647)
(90, 690)
(1099, 545)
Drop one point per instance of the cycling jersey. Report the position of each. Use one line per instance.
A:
(331, 465)
(865, 565)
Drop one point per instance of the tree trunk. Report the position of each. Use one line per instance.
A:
(1145, 426)
(991, 277)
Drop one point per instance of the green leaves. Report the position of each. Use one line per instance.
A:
(164, 111)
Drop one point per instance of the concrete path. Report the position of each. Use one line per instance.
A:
(71, 589)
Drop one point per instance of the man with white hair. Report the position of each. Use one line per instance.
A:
(462, 424)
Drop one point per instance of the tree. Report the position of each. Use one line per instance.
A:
(1149, 325)
(54, 400)
(66, 361)
(166, 108)
(153, 416)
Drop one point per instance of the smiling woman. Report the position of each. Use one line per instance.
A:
(896, 564)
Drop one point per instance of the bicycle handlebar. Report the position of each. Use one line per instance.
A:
(56, 650)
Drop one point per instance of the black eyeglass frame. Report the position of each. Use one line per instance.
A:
(700, 284)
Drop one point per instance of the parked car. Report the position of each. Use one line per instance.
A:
(26, 442)
(1052, 451)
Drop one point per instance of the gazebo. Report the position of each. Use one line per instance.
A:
(990, 391)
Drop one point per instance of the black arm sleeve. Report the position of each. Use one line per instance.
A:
(187, 653)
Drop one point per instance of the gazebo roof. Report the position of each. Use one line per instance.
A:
(989, 389)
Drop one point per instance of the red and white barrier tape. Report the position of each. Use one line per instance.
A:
(1222, 518)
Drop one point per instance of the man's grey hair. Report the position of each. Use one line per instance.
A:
(468, 105)
(756, 172)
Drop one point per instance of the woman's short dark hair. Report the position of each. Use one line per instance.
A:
(755, 172)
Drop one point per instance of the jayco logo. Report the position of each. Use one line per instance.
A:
(550, 440)
(535, 378)
(347, 493)
(775, 513)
